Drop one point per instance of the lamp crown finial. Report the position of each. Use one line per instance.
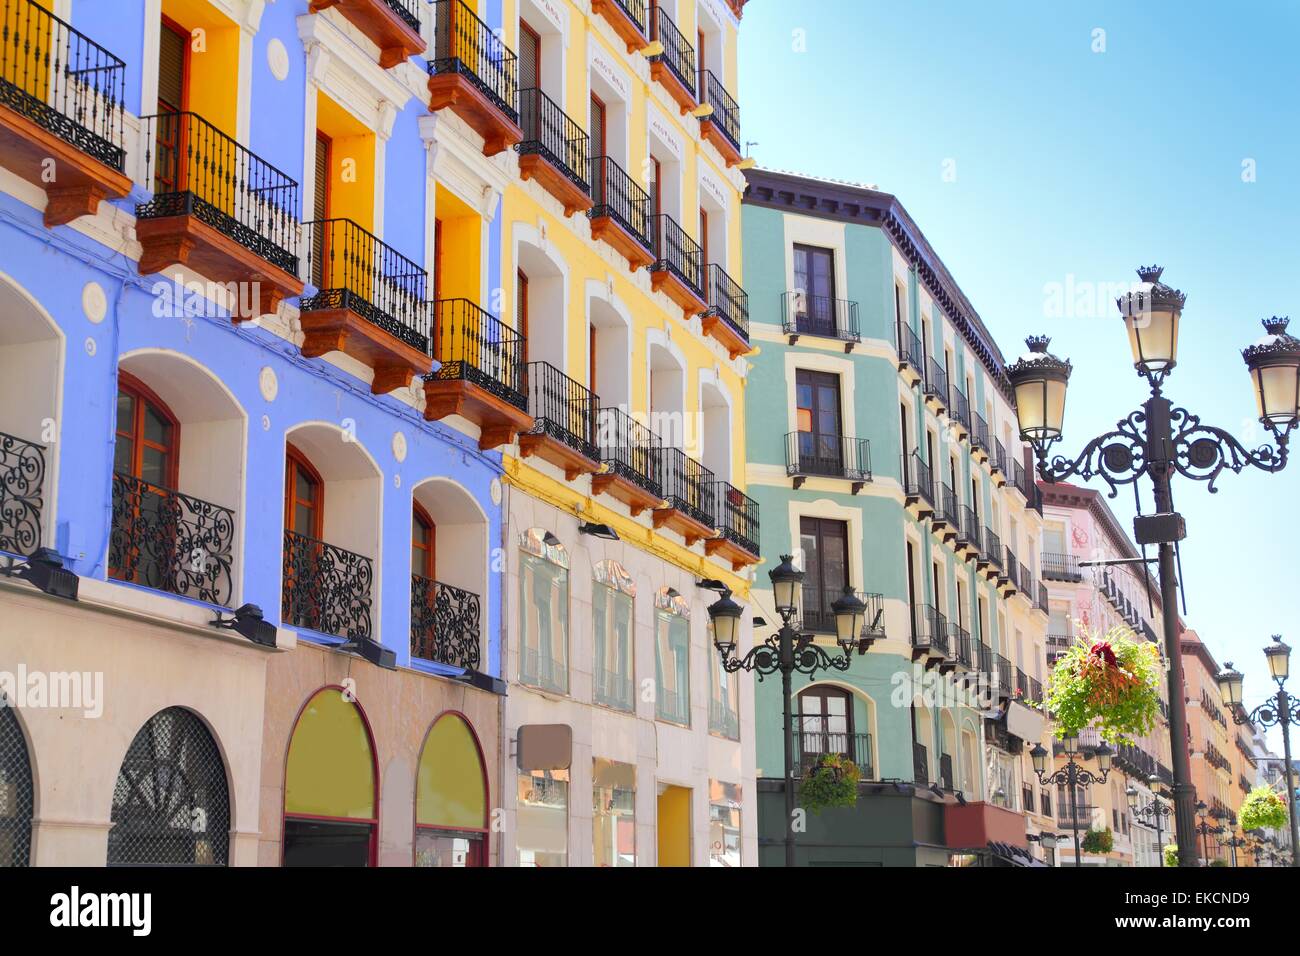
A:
(1150, 273)
(1038, 343)
(1228, 664)
(1276, 325)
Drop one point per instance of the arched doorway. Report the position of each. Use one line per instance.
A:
(16, 792)
(171, 803)
(451, 797)
(331, 785)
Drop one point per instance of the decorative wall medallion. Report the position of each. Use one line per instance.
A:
(268, 384)
(94, 302)
(397, 481)
(266, 423)
(399, 446)
(496, 491)
(277, 58)
(91, 348)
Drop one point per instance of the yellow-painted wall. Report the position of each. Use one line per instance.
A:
(674, 827)
(352, 163)
(214, 61)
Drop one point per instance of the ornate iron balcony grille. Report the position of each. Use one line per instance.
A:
(444, 623)
(62, 81)
(909, 346)
(920, 765)
(727, 300)
(804, 314)
(993, 548)
(199, 171)
(814, 738)
(466, 45)
(815, 612)
(678, 55)
(1081, 819)
(549, 132)
(947, 507)
(168, 541)
(631, 450)
(960, 642)
(408, 10)
(677, 253)
(918, 479)
(16, 772)
(1061, 567)
(635, 9)
(968, 528)
(617, 196)
(687, 486)
(722, 720)
(474, 347)
(726, 112)
(936, 379)
(829, 456)
(22, 478)
(354, 270)
(979, 432)
(326, 588)
(737, 516)
(958, 406)
(563, 409)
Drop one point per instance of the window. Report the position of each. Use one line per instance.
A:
(825, 723)
(724, 824)
(423, 544)
(147, 436)
(814, 283)
(451, 811)
(613, 813)
(724, 696)
(521, 310)
(672, 658)
(825, 546)
(145, 466)
(304, 492)
(612, 594)
(173, 98)
(817, 415)
(543, 817)
(544, 612)
(16, 796)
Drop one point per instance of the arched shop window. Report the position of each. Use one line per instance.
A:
(331, 785)
(612, 595)
(451, 797)
(171, 804)
(15, 791)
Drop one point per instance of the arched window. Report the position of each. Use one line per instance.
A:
(672, 657)
(612, 594)
(424, 537)
(304, 495)
(148, 434)
(16, 797)
(825, 723)
(146, 456)
(331, 785)
(451, 797)
(171, 803)
(544, 611)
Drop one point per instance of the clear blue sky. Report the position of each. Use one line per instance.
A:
(1074, 162)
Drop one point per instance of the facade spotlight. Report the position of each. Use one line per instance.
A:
(372, 651)
(44, 571)
(598, 530)
(248, 622)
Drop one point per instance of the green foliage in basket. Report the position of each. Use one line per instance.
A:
(1107, 680)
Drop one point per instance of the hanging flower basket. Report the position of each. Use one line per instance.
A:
(1109, 681)
(1170, 854)
(831, 782)
(1099, 841)
(1263, 809)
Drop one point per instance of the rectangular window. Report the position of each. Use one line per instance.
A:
(543, 818)
(724, 697)
(724, 824)
(672, 668)
(612, 680)
(817, 415)
(544, 625)
(613, 813)
(825, 546)
(814, 278)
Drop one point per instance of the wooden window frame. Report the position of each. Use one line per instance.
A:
(143, 394)
(295, 460)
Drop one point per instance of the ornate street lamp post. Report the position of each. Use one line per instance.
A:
(1282, 709)
(1159, 441)
(1156, 811)
(1073, 776)
(789, 651)
(1205, 828)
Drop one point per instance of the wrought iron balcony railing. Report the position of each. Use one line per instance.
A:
(936, 380)
(550, 133)
(736, 516)
(998, 456)
(1061, 567)
(445, 623)
(408, 10)
(819, 315)
(1078, 819)
(815, 612)
(909, 347)
(354, 270)
(326, 588)
(687, 486)
(1012, 567)
(199, 171)
(635, 10)
(979, 432)
(168, 541)
(1022, 683)
(22, 501)
(984, 659)
(992, 550)
(1025, 583)
(920, 764)
(726, 112)
(968, 531)
(62, 81)
(961, 646)
(1022, 480)
(612, 689)
(945, 771)
(678, 253)
(617, 196)
(1042, 602)
(1003, 672)
(727, 299)
(475, 347)
(678, 55)
(929, 628)
(465, 45)
(947, 508)
(563, 409)
(918, 479)
(631, 450)
(723, 720)
(828, 456)
(814, 738)
(959, 406)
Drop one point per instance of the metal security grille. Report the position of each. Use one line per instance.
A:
(15, 791)
(171, 806)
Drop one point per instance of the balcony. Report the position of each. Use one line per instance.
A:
(633, 458)
(1057, 644)
(989, 560)
(819, 315)
(935, 388)
(1025, 584)
(688, 497)
(945, 772)
(947, 513)
(326, 588)
(1002, 672)
(920, 765)
(627, 17)
(827, 456)
(721, 126)
(979, 437)
(620, 215)
(967, 541)
(1022, 481)
(444, 623)
(815, 612)
(918, 487)
(1009, 579)
(61, 101)
(815, 737)
(678, 270)
(736, 515)
(1078, 818)
(929, 634)
(564, 415)
(1061, 567)
(961, 650)
(218, 209)
(22, 502)
(998, 463)
(554, 151)
(391, 25)
(474, 74)
(1041, 600)
(167, 541)
(370, 304)
(481, 377)
(959, 411)
(727, 318)
(984, 661)
(674, 68)
(911, 360)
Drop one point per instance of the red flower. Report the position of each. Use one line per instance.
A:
(1102, 649)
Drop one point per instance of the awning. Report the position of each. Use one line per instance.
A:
(1025, 722)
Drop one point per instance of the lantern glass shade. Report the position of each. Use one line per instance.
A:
(725, 615)
(1070, 744)
(1039, 380)
(1048, 841)
(785, 585)
(849, 611)
(1230, 687)
(1039, 757)
(1153, 337)
(1104, 755)
(1279, 659)
(1274, 364)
